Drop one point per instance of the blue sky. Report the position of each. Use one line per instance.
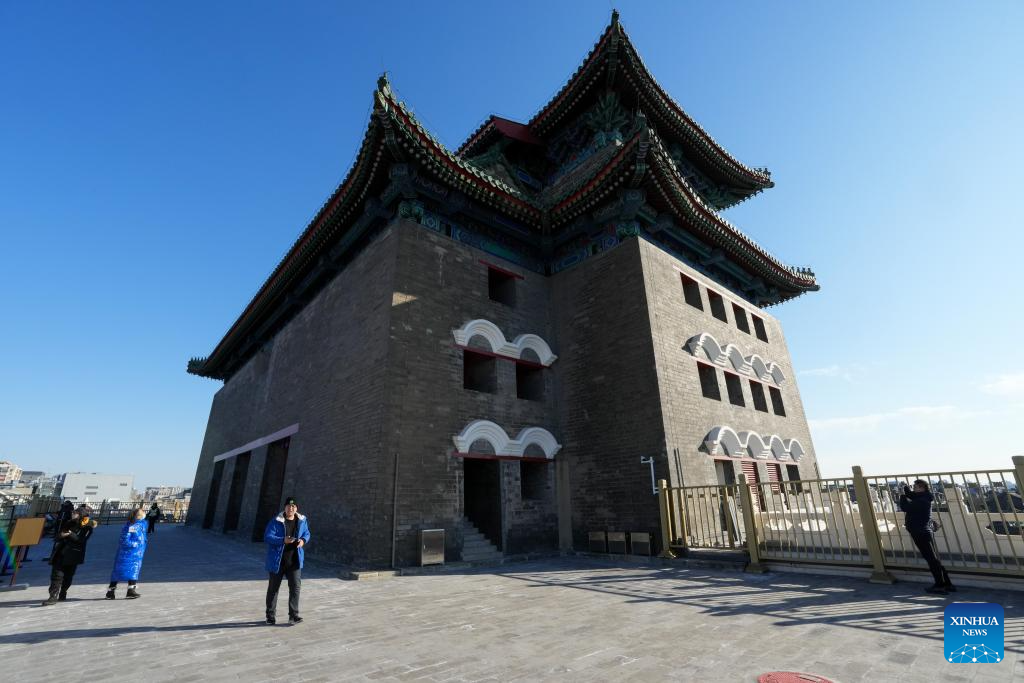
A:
(157, 160)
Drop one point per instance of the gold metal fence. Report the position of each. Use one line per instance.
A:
(705, 517)
(979, 516)
(855, 521)
(809, 520)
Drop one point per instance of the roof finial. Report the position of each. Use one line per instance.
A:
(615, 17)
(383, 85)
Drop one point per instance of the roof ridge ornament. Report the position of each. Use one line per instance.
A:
(613, 53)
(384, 85)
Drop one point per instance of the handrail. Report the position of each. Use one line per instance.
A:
(857, 521)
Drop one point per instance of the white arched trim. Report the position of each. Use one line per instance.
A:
(725, 440)
(501, 346)
(729, 354)
(485, 430)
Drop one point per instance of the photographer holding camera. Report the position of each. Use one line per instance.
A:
(917, 503)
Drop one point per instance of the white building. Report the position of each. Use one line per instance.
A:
(93, 487)
(9, 472)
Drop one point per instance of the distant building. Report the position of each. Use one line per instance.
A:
(9, 472)
(42, 483)
(93, 487)
(15, 495)
(155, 493)
(29, 477)
(47, 486)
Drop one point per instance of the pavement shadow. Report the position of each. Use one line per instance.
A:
(65, 634)
(19, 603)
(175, 554)
(38, 602)
(901, 609)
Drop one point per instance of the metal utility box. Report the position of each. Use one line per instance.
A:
(639, 543)
(431, 546)
(617, 542)
(597, 542)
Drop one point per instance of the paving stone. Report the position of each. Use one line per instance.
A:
(566, 619)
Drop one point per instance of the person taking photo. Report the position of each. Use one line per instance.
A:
(917, 503)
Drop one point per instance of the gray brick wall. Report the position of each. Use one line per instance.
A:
(608, 403)
(324, 370)
(688, 415)
(373, 376)
(444, 285)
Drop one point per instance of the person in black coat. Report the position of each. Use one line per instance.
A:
(917, 503)
(152, 517)
(69, 552)
(67, 509)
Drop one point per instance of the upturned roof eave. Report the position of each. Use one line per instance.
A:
(209, 366)
(695, 207)
(661, 106)
(423, 148)
(622, 169)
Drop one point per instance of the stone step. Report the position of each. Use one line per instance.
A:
(478, 545)
(482, 557)
(479, 548)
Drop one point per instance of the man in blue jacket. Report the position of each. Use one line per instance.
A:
(917, 503)
(286, 535)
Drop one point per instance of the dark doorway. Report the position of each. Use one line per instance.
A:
(272, 487)
(725, 473)
(211, 499)
(237, 490)
(481, 491)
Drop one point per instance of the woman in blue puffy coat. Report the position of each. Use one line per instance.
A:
(128, 562)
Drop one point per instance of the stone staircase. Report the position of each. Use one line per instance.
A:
(476, 547)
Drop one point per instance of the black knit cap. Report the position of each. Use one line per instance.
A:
(290, 501)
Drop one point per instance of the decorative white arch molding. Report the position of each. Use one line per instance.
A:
(751, 444)
(485, 430)
(730, 355)
(501, 346)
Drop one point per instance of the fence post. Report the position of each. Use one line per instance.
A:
(747, 500)
(725, 511)
(666, 521)
(1018, 472)
(879, 574)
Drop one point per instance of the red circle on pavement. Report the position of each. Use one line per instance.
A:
(791, 677)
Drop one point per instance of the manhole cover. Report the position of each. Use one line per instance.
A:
(791, 677)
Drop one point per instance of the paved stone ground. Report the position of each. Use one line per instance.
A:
(573, 619)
